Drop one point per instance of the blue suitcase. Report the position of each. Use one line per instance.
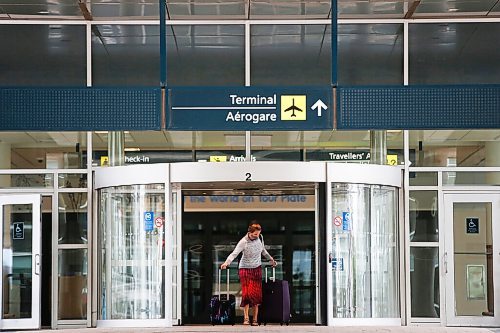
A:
(275, 306)
(223, 307)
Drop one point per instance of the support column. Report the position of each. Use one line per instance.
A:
(5, 161)
(116, 148)
(492, 159)
(378, 147)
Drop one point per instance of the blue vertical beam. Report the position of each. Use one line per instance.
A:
(163, 44)
(334, 43)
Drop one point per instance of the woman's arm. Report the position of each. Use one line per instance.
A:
(237, 250)
(265, 253)
(268, 256)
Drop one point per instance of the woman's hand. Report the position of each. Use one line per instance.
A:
(273, 262)
(223, 266)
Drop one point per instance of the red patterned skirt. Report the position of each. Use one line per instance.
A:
(251, 286)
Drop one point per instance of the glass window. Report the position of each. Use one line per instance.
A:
(125, 55)
(424, 281)
(72, 280)
(456, 8)
(73, 218)
(72, 180)
(371, 9)
(450, 148)
(454, 53)
(424, 225)
(205, 55)
(27, 180)
(291, 9)
(290, 55)
(43, 150)
(17, 258)
(43, 55)
(423, 179)
(141, 10)
(471, 178)
(370, 54)
(202, 10)
(173, 146)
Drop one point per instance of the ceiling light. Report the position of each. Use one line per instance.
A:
(132, 149)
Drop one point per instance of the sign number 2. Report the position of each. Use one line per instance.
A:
(249, 177)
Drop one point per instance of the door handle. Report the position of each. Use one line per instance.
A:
(37, 264)
(445, 262)
(330, 258)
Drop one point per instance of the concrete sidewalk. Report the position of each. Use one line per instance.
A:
(277, 328)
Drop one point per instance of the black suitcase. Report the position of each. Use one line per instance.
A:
(222, 307)
(275, 306)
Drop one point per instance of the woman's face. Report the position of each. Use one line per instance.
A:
(254, 235)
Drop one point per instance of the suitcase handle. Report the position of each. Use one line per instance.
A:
(273, 278)
(227, 282)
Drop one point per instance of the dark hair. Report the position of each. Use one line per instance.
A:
(254, 226)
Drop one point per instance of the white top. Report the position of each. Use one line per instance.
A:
(252, 252)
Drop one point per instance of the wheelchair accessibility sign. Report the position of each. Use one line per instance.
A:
(149, 221)
(18, 230)
(346, 221)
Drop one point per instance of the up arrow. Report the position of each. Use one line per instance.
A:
(319, 105)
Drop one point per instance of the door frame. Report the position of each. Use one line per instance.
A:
(242, 172)
(448, 264)
(36, 239)
(138, 174)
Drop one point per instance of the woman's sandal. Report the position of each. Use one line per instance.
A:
(254, 323)
(246, 322)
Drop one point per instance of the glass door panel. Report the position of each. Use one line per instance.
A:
(364, 256)
(20, 225)
(469, 263)
(132, 221)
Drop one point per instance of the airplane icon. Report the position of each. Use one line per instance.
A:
(293, 108)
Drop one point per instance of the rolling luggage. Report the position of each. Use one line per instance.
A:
(222, 307)
(275, 306)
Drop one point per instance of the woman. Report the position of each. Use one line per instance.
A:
(250, 270)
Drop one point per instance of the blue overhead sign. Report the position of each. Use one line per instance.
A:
(250, 108)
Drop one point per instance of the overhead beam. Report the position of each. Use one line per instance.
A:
(85, 11)
(412, 9)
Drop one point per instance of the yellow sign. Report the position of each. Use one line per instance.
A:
(392, 159)
(218, 158)
(104, 160)
(293, 107)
